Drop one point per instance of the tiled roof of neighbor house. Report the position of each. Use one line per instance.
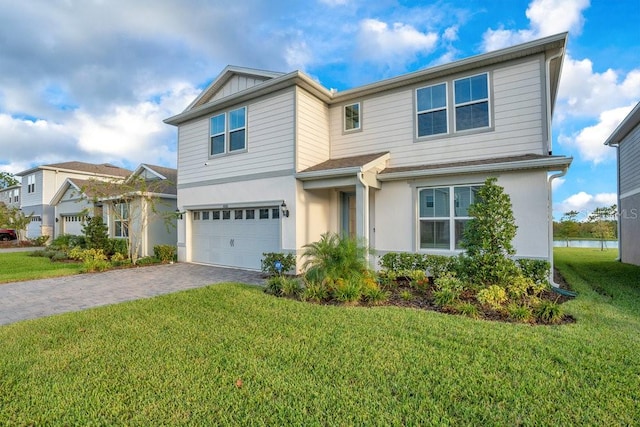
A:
(94, 188)
(104, 169)
(166, 186)
(345, 162)
(510, 159)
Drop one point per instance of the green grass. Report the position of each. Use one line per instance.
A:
(18, 266)
(176, 359)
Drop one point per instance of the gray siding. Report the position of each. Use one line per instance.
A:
(237, 84)
(630, 229)
(630, 162)
(388, 123)
(312, 130)
(270, 141)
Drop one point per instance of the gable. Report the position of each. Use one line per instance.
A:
(231, 81)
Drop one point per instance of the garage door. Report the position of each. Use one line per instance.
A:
(235, 237)
(72, 224)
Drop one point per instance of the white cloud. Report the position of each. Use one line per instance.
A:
(584, 203)
(590, 140)
(557, 183)
(546, 17)
(378, 42)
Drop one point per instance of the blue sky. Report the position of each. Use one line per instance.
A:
(93, 80)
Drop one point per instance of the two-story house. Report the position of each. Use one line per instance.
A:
(270, 161)
(10, 196)
(39, 184)
(626, 139)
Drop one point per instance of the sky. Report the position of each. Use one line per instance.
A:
(92, 80)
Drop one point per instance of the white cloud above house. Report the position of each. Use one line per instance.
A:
(381, 42)
(584, 203)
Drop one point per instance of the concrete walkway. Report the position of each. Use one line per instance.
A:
(40, 298)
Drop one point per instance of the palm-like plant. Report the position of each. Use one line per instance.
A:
(334, 257)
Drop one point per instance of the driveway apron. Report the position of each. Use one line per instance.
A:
(45, 297)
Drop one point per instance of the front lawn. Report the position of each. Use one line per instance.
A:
(18, 266)
(232, 355)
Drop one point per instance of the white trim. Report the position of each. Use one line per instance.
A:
(629, 193)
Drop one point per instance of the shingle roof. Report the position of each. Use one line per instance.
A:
(104, 169)
(345, 162)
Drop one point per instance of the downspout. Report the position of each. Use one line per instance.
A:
(548, 78)
(550, 215)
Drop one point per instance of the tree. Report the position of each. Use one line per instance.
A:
(488, 235)
(568, 226)
(604, 223)
(96, 232)
(131, 204)
(11, 217)
(7, 180)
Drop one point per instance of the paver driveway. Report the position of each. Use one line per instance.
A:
(44, 297)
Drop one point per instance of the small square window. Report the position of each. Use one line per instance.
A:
(226, 214)
(275, 213)
(250, 214)
(196, 216)
(238, 213)
(264, 213)
(215, 215)
(205, 215)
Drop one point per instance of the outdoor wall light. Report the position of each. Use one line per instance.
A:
(179, 214)
(285, 211)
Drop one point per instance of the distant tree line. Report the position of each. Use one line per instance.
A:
(601, 224)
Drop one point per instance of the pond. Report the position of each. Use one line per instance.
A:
(608, 244)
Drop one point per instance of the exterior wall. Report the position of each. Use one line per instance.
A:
(236, 84)
(70, 204)
(630, 229)
(312, 130)
(396, 212)
(270, 144)
(629, 162)
(7, 196)
(158, 231)
(388, 122)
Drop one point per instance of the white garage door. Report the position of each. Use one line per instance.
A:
(72, 224)
(234, 237)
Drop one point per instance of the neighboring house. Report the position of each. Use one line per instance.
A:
(10, 196)
(127, 215)
(39, 184)
(270, 161)
(626, 140)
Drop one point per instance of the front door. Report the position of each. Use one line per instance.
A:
(348, 214)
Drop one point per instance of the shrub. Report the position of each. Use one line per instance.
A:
(67, 241)
(274, 285)
(347, 290)
(315, 291)
(335, 257)
(445, 297)
(92, 259)
(148, 260)
(519, 287)
(270, 260)
(39, 241)
(548, 312)
(493, 296)
(59, 256)
(290, 286)
(520, 312)
(406, 295)
(398, 261)
(375, 296)
(438, 265)
(165, 253)
(117, 246)
(95, 231)
(466, 308)
(536, 269)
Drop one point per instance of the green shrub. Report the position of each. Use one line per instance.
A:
(439, 265)
(536, 269)
(406, 295)
(165, 253)
(270, 260)
(39, 241)
(96, 233)
(520, 312)
(315, 291)
(466, 308)
(290, 286)
(274, 285)
(519, 287)
(335, 257)
(117, 246)
(148, 260)
(548, 312)
(387, 279)
(445, 297)
(375, 296)
(68, 241)
(398, 261)
(493, 296)
(59, 256)
(347, 290)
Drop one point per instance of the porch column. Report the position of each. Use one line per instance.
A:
(362, 209)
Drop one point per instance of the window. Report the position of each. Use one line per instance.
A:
(238, 214)
(205, 215)
(472, 102)
(264, 213)
(443, 214)
(431, 105)
(31, 184)
(352, 117)
(196, 215)
(275, 213)
(250, 214)
(215, 215)
(121, 220)
(226, 214)
(16, 197)
(228, 132)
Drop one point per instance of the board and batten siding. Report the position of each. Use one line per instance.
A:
(388, 123)
(270, 143)
(236, 84)
(312, 133)
(630, 162)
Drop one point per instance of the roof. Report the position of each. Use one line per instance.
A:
(500, 164)
(345, 162)
(552, 46)
(103, 169)
(625, 127)
(168, 179)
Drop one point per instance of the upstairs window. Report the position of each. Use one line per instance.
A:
(31, 184)
(228, 132)
(472, 102)
(431, 103)
(352, 117)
